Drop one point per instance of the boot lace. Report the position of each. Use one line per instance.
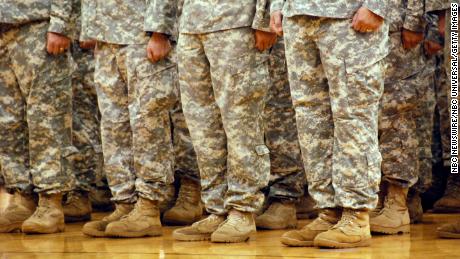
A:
(348, 218)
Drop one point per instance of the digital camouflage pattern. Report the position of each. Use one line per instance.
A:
(328, 8)
(116, 21)
(398, 135)
(223, 81)
(287, 179)
(135, 97)
(58, 13)
(336, 97)
(185, 158)
(437, 5)
(35, 111)
(87, 163)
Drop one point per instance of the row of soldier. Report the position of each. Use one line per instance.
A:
(355, 117)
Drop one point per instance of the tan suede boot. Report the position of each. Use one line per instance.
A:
(188, 207)
(326, 219)
(199, 231)
(143, 220)
(20, 208)
(450, 202)
(236, 228)
(97, 228)
(279, 215)
(382, 194)
(449, 230)
(305, 208)
(351, 231)
(394, 217)
(48, 217)
(77, 207)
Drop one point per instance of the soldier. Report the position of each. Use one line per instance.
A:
(187, 207)
(287, 179)
(334, 51)
(134, 74)
(405, 80)
(87, 163)
(35, 112)
(223, 79)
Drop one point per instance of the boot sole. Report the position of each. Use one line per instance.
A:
(334, 244)
(443, 234)
(31, 230)
(94, 233)
(152, 232)
(15, 227)
(72, 219)
(228, 239)
(191, 238)
(276, 226)
(296, 243)
(391, 231)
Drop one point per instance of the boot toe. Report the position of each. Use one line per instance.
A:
(295, 238)
(95, 228)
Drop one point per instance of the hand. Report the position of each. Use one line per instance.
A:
(276, 23)
(264, 40)
(366, 21)
(432, 47)
(56, 43)
(88, 44)
(158, 47)
(411, 39)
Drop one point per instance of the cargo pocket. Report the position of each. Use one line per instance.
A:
(156, 87)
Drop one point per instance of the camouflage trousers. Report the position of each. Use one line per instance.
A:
(223, 81)
(185, 158)
(287, 178)
(135, 97)
(35, 112)
(87, 163)
(400, 114)
(336, 96)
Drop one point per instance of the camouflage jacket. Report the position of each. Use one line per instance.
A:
(202, 16)
(407, 14)
(58, 12)
(116, 21)
(328, 8)
(438, 5)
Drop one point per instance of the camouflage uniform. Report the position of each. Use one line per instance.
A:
(134, 97)
(336, 97)
(86, 135)
(405, 84)
(36, 97)
(287, 179)
(223, 81)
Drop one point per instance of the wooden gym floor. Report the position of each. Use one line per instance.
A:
(421, 243)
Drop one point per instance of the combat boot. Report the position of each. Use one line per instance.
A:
(77, 207)
(414, 204)
(326, 219)
(449, 230)
(394, 217)
(450, 202)
(100, 199)
(199, 231)
(279, 215)
(382, 194)
(48, 217)
(305, 208)
(188, 207)
(236, 228)
(20, 207)
(351, 231)
(97, 228)
(143, 220)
